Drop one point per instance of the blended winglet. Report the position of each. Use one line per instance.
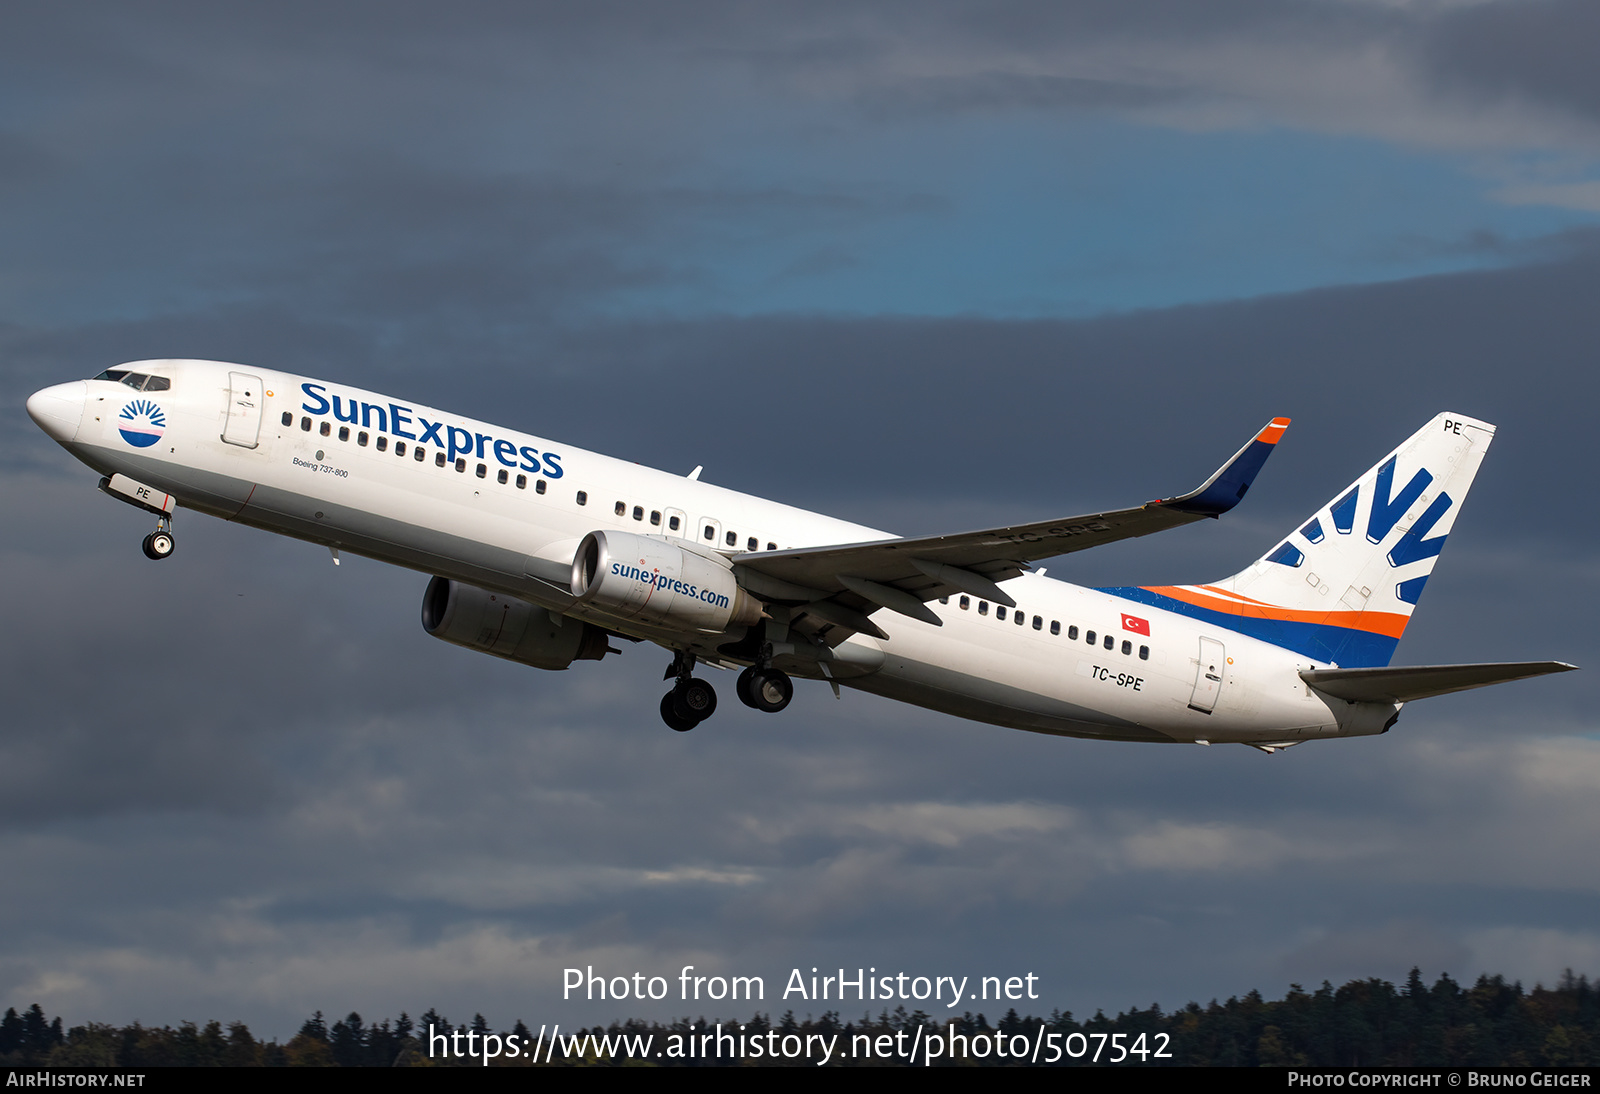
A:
(1223, 490)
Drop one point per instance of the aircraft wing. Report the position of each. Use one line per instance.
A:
(839, 586)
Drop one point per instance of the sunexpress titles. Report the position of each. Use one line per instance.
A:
(397, 420)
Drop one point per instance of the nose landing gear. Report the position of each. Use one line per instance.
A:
(159, 544)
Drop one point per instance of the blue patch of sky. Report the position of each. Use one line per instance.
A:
(1027, 219)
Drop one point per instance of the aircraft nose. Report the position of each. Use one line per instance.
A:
(58, 410)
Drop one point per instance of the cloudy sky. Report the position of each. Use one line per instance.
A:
(927, 266)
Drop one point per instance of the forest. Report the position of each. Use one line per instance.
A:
(1365, 1023)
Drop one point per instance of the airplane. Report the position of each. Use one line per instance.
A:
(541, 553)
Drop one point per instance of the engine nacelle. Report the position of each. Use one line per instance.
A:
(661, 583)
(504, 626)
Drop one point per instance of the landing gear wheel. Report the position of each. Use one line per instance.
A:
(742, 687)
(766, 690)
(669, 715)
(693, 699)
(158, 545)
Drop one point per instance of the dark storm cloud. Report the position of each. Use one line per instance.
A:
(1539, 51)
(1006, 91)
(364, 60)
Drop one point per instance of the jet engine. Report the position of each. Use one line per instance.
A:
(661, 583)
(507, 627)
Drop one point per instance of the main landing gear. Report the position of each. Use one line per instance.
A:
(767, 690)
(692, 700)
(159, 544)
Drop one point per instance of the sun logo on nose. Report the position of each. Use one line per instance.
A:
(141, 423)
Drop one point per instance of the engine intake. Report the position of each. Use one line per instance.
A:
(493, 623)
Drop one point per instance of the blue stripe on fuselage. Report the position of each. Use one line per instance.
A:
(1344, 646)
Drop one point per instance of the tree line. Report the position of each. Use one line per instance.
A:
(1365, 1023)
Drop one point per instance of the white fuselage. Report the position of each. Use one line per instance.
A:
(450, 514)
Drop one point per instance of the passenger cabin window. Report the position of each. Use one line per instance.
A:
(753, 545)
(420, 454)
(538, 487)
(288, 418)
(655, 517)
(1089, 637)
(361, 438)
(1110, 642)
(1144, 653)
(621, 508)
(732, 539)
(638, 512)
(1000, 612)
(711, 533)
(1072, 633)
(1038, 622)
(305, 425)
(483, 471)
(983, 607)
(672, 523)
(438, 459)
(399, 448)
(326, 429)
(583, 497)
(1055, 626)
(522, 481)
(504, 476)
(965, 603)
(1127, 647)
(461, 465)
(383, 444)
(344, 433)
(772, 546)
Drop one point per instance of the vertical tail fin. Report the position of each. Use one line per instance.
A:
(1342, 587)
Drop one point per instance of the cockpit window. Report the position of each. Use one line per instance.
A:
(139, 381)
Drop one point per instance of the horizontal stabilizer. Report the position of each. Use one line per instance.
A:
(1401, 685)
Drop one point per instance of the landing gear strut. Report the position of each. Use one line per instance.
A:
(691, 700)
(159, 544)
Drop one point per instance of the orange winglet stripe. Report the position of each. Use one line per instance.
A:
(1273, 431)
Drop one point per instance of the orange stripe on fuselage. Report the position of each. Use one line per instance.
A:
(1389, 624)
(1239, 597)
